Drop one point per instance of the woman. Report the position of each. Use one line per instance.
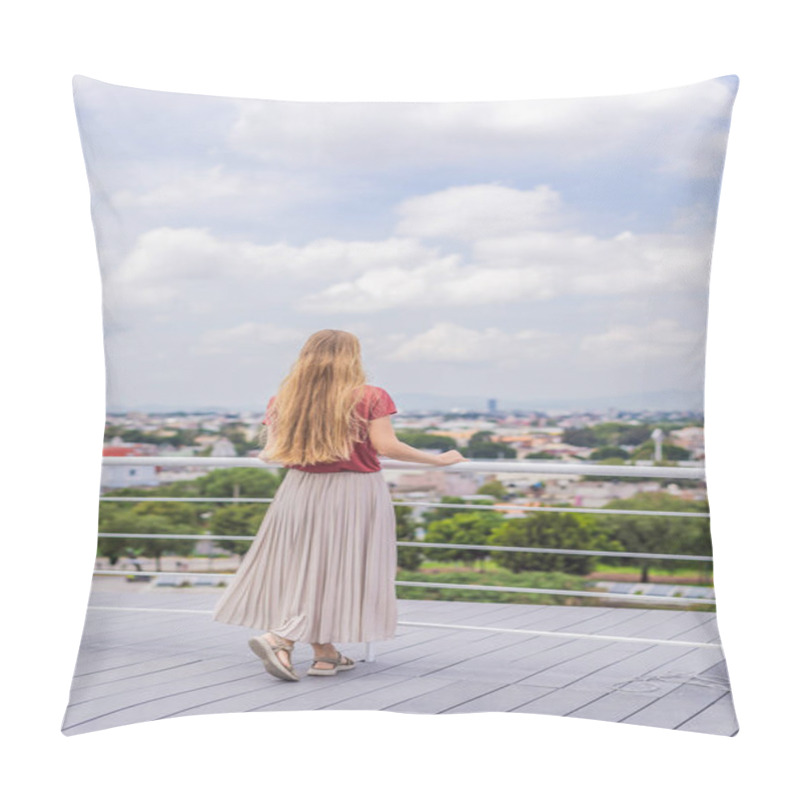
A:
(322, 567)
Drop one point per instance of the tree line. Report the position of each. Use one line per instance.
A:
(553, 528)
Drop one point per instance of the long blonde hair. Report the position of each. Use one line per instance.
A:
(314, 416)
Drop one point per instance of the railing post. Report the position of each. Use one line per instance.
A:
(369, 652)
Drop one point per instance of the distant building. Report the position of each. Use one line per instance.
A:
(492, 406)
(223, 448)
(120, 477)
(595, 494)
(519, 440)
(436, 481)
(692, 439)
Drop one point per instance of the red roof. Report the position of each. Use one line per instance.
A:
(122, 451)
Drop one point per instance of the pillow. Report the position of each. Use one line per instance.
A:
(528, 281)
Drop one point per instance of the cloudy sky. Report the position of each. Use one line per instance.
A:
(546, 252)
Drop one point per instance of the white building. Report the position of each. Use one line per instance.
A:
(120, 477)
(223, 448)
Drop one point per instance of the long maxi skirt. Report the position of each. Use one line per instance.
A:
(323, 563)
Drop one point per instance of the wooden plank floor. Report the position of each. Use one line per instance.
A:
(151, 653)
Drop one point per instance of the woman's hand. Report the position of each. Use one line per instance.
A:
(449, 457)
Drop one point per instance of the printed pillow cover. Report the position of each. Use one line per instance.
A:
(528, 281)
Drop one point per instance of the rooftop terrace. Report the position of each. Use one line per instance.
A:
(151, 652)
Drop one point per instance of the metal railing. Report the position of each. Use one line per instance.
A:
(494, 466)
(498, 466)
(504, 465)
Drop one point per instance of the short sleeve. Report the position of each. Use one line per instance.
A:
(265, 421)
(381, 404)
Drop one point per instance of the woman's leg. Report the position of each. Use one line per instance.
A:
(326, 650)
(282, 655)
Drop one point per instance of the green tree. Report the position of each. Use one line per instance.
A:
(176, 437)
(114, 518)
(471, 527)
(563, 531)
(635, 434)
(582, 437)
(494, 488)
(237, 435)
(484, 449)
(408, 558)
(239, 482)
(481, 445)
(175, 518)
(431, 514)
(147, 517)
(669, 452)
(237, 519)
(143, 517)
(426, 441)
(155, 547)
(174, 513)
(603, 453)
(658, 534)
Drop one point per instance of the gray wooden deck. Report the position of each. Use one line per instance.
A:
(152, 653)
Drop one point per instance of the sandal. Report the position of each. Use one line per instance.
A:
(340, 663)
(268, 653)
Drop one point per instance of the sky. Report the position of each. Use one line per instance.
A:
(550, 253)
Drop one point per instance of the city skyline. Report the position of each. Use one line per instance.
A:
(418, 404)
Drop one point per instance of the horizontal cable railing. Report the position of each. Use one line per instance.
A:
(610, 553)
(446, 626)
(478, 587)
(494, 466)
(503, 465)
(426, 504)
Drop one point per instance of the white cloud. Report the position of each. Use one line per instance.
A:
(526, 267)
(569, 262)
(331, 258)
(179, 186)
(509, 261)
(246, 337)
(475, 212)
(660, 340)
(167, 262)
(696, 152)
(163, 260)
(449, 342)
(183, 188)
(399, 135)
(378, 289)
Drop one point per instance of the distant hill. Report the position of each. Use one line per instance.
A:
(668, 400)
(644, 401)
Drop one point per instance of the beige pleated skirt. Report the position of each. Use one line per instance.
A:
(323, 563)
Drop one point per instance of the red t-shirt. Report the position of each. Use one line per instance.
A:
(374, 403)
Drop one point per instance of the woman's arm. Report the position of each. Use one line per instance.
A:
(386, 443)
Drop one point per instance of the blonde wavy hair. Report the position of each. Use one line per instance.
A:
(314, 416)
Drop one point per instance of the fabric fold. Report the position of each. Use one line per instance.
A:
(323, 563)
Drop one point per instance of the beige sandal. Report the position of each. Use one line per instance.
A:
(341, 663)
(268, 653)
